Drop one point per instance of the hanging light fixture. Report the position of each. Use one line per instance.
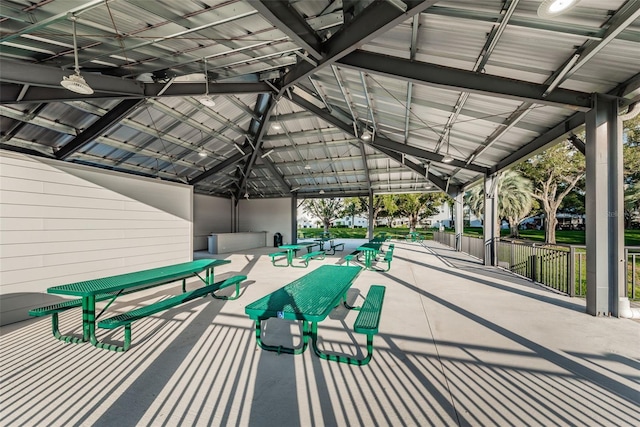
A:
(552, 8)
(75, 82)
(366, 135)
(276, 125)
(205, 99)
(447, 158)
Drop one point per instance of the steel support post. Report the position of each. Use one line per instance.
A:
(294, 218)
(490, 224)
(604, 203)
(458, 218)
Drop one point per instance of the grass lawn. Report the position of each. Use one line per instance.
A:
(631, 237)
(361, 233)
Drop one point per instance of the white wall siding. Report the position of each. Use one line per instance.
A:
(270, 215)
(61, 223)
(210, 215)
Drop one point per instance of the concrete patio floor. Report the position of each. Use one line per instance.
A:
(459, 344)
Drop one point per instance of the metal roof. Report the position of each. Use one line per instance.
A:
(298, 86)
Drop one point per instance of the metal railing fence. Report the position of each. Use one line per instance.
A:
(563, 268)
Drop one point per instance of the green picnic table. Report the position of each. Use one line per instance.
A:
(89, 290)
(370, 251)
(310, 299)
(291, 249)
(413, 236)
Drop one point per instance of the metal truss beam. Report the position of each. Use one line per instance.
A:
(105, 122)
(463, 80)
(283, 16)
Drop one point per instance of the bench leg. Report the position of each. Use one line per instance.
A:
(56, 332)
(278, 348)
(273, 261)
(229, 298)
(114, 347)
(305, 264)
(338, 357)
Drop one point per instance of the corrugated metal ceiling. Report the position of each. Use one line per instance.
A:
(297, 85)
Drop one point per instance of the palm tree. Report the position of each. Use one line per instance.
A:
(352, 208)
(515, 199)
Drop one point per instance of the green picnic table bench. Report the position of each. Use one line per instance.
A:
(126, 319)
(414, 236)
(110, 288)
(309, 256)
(388, 256)
(333, 247)
(353, 255)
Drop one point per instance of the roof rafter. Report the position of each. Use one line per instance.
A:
(374, 20)
(463, 80)
(282, 15)
(384, 147)
(105, 122)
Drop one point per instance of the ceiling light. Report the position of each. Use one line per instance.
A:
(276, 126)
(294, 189)
(321, 191)
(307, 167)
(552, 8)
(447, 158)
(366, 135)
(202, 154)
(75, 82)
(206, 100)
(246, 195)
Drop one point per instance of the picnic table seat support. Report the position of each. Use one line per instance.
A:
(277, 256)
(126, 319)
(306, 257)
(334, 247)
(311, 245)
(280, 349)
(366, 323)
(351, 256)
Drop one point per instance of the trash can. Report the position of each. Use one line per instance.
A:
(277, 240)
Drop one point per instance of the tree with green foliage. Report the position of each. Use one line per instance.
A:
(515, 199)
(631, 162)
(416, 206)
(352, 208)
(554, 173)
(325, 209)
(382, 204)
